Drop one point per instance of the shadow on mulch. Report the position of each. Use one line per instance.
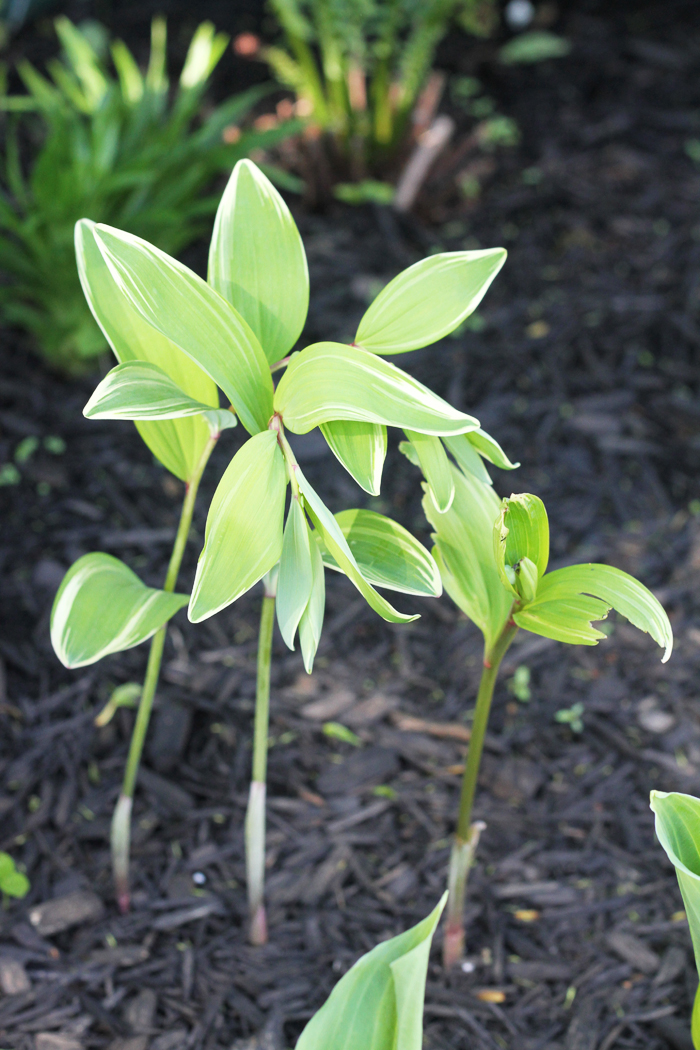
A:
(586, 369)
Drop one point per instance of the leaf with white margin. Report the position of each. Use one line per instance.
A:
(329, 381)
(295, 578)
(617, 589)
(387, 554)
(311, 623)
(188, 312)
(337, 547)
(102, 607)
(243, 537)
(361, 448)
(428, 300)
(177, 443)
(435, 466)
(378, 1004)
(257, 260)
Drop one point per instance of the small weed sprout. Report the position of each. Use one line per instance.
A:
(13, 883)
(572, 717)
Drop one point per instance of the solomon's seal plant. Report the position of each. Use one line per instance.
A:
(493, 558)
(677, 822)
(177, 339)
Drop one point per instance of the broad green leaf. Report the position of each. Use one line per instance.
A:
(311, 623)
(468, 459)
(329, 381)
(183, 308)
(177, 443)
(428, 300)
(141, 390)
(522, 531)
(378, 1004)
(677, 825)
(435, 466)
(564, 619)
(361, 448)
(243, 537)
(387, 554)
(15, 884)
(336, 545)
(295, 578)
(489, 448)
(103, 607)
(618, 590)
(257, 260)
(464, 553)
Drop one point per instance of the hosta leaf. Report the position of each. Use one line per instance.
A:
(141, 390)
(564, 619)
(183, 308)
(311, 623)
(522, 531)
(243, 537)
(257, 260)
(103, 607)
(177, 443)
(468, 459)
(361, 448)
(295, 578)
(464, 553)
(378, 1004)
(618, 590)
(428, 300)
(387, 554)
(329, 381)
(677, 825)
(435, 466)
(336, 545)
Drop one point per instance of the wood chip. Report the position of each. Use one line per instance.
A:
(633, 951)
(450, 730)
(329, 706)
(370, 710)
(63, 912)
(13, 977)
(56, 1041)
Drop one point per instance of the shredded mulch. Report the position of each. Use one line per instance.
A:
(587, 369)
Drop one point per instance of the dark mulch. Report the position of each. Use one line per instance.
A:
(587, 370)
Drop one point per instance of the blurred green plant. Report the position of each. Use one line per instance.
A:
(358, 66)
(120, 150)
(13, 883)
(536, 46)
(571, 716)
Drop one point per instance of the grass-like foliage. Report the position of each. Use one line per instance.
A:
(493, 556)
(359, 65)
(179, 340)
(115, 145)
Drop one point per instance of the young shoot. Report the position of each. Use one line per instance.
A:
(493, 558)
(179, 340)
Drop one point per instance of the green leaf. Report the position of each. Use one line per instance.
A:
(564, 619)
(7, 865)
(295, 578)
(489, 448)
(387, 554)
(141, 390)
(378, 1004)
(182, 307)
(177, 443)
(243, 537)
(677, 825)
(428, 300)
(468, 459)
(361, 448)
(311, 623)
(206, 48)
(522, 531)
(103, 607)
(337, 731)
(257, 260)
(15, 885)
(464, 553)
(330, 381)
(337, 547)
(617, 589)
(536, 46)
(435, 466)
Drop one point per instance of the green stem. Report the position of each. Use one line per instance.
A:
(121, 822)
(255, 816)
(467, 834)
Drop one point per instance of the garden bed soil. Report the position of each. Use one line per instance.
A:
(586, 369)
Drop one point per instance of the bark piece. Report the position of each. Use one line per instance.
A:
(63, 912)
